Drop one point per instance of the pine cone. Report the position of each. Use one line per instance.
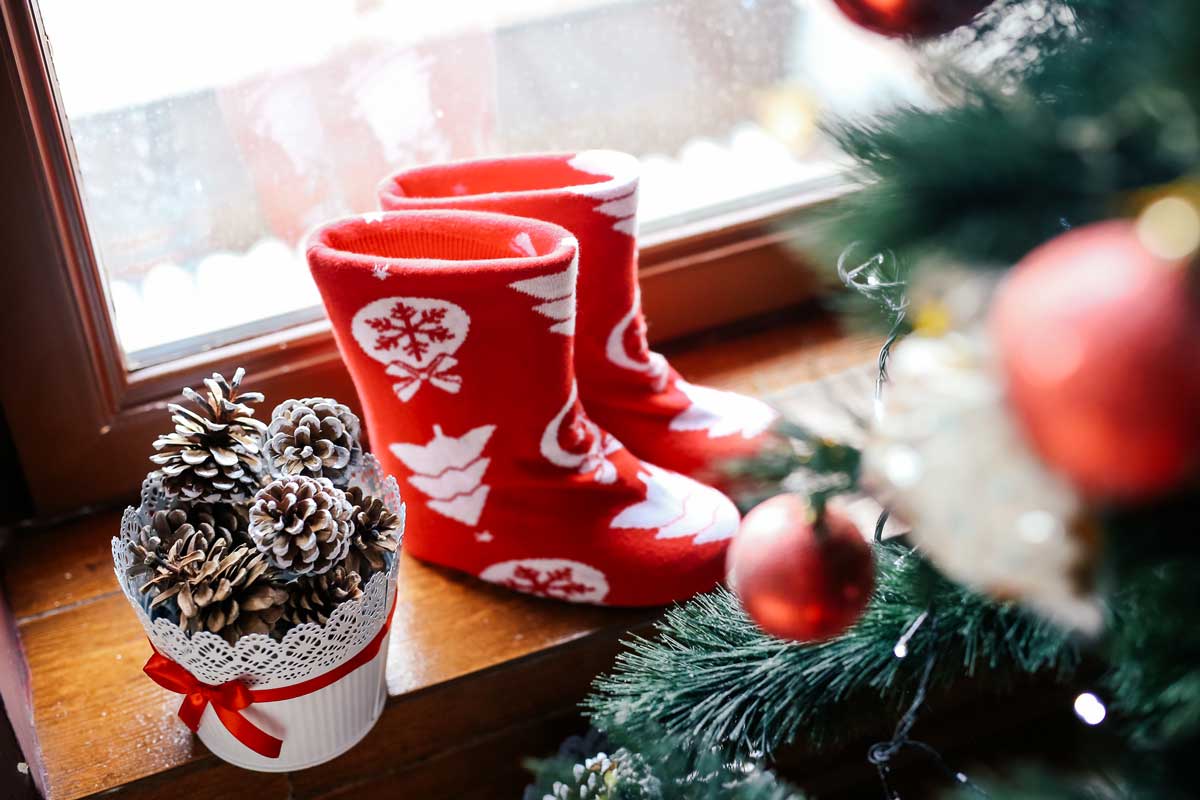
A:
(301, 524)
(375, 533)
(168, 532)
(317, 437)
(227, 520)
(227, 592)
(213, 453)
(165, 528)
(314, 598)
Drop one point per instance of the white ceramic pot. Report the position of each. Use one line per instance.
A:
(314, 727)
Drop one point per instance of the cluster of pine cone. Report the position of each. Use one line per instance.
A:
(263, 531)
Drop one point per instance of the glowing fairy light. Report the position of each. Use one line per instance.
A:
(901, 648)
(1170, 228)
(1089, 709)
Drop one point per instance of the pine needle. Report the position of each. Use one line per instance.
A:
(714, 681)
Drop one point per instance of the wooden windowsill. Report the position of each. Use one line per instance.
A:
(478, 676)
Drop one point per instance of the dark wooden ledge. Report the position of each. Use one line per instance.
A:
(478, 677)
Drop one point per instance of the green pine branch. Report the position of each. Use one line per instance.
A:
(660, 772)
(1153, 645)
(1033, 783)
(1102, 114)
(712, 681)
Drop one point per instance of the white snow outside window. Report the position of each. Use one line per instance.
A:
(210, 137)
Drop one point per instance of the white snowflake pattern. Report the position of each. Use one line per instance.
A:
(557, 578)
(411, 329)
(415, 338)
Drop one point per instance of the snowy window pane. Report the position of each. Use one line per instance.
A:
(211, 136)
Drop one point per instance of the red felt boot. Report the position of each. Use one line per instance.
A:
(458, 329)
(629, 390)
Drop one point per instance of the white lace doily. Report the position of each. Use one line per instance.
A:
(305, 651)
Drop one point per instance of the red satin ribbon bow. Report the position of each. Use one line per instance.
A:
(229, 699)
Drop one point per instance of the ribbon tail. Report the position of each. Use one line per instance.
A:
(192, 709)
(170, 676)
(248, 733)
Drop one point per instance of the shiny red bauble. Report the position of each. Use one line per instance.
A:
(912, 18)
(1099, 343)
(796, 582)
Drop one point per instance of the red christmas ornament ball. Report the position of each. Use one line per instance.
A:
(795, 582)
(912, 18)
(1099, 343)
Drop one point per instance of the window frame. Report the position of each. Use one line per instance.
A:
(82, 422)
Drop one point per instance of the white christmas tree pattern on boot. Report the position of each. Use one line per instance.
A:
(676, 506)
(721, 413)
(558, 578)
(416, 338)
(558, 290)
(449, 470)
(620, 190)
(586, 448)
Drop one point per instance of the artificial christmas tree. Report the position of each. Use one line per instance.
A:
(630, 391)
(458, 330)
(1039, 439)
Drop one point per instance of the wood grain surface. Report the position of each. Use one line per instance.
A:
(478, 676)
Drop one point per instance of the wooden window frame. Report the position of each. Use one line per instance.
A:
(82, 422)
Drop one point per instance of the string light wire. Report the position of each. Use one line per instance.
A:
(881, 754)
(880, 278)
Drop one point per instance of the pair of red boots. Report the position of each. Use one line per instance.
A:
(475, 358)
